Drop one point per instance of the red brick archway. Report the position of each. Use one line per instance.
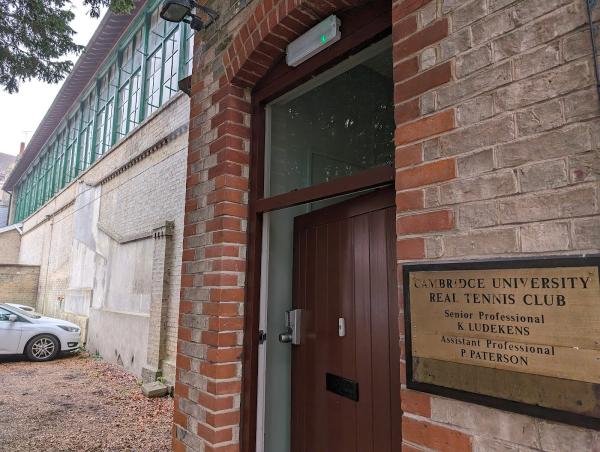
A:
(211, 325)
(268, 31)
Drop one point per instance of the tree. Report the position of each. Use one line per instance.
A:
(35, 38)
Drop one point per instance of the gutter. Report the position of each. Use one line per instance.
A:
(17, 226)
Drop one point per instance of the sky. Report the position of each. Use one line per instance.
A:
(21, 113)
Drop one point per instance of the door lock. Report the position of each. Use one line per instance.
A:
(293, 325)
(285, 338)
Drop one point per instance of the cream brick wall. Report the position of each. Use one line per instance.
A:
(526, 143)
(10, 242)
(19, 284)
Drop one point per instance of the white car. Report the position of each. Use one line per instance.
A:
(23, 307)
(40, 338)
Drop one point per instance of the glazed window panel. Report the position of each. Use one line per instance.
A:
(336, 125)
(87, 134)
(75, 144)
(110, 104)
(104, 118)
(53, 176)
(136, 98)
(63, 159)
(123, 110)
(71, 150)
(138, 51)
(112, 81)
(42, 181)
(153, 81)
(36, 178)
(130, 85)
(156, 30)
(171, 66)
(31, 201)
(189, 50)
(124, 75)
(127, 63)
(99, 133)
(108, 129)
(48, 178)
(28, 207)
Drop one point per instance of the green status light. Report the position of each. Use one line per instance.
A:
(323, 39)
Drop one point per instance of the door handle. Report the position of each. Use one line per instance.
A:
(293, 325)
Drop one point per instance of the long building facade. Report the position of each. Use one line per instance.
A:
(99, 192)
(355, 197)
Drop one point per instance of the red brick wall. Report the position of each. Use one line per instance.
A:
(209, 366)
(472, 114)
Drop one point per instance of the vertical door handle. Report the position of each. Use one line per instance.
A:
(293, 324)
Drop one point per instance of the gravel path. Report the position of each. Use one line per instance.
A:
(78, 404)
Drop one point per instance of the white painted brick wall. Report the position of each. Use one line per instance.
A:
(144, 196)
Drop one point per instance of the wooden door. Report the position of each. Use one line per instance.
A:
(345, 387)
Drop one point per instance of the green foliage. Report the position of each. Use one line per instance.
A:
(35, 37)
(116, 6)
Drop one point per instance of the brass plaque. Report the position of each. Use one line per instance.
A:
(508, 330)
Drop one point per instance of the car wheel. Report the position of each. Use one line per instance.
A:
(42, 348)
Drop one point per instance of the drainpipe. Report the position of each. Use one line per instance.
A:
(590, 6)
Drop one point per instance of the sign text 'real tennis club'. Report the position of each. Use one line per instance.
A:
(522, 335)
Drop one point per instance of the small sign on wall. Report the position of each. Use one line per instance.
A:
(521, 334)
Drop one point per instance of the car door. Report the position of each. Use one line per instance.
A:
(10, 333)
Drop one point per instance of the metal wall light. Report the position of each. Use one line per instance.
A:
(181, 11)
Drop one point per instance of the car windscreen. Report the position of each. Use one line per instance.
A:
(29, 315)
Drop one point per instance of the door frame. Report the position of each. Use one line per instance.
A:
(362, 26)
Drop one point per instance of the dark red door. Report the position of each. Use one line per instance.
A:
(345, 384)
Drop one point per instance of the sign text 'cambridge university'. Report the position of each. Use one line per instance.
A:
(522, 335)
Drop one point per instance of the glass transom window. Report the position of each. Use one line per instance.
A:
(338, 124)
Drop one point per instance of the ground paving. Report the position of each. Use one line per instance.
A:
(77, 403)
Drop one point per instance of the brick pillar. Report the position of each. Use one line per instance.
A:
(209, 370)
(159, 301)
(209, 365)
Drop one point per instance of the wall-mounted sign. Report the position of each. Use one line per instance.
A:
(522, 335)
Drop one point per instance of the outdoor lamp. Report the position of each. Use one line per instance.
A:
(181, 11)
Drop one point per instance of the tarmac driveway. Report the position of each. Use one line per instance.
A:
(78, 404)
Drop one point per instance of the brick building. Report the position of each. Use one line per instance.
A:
(6, 164)
(98, 194)
(482, 115)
